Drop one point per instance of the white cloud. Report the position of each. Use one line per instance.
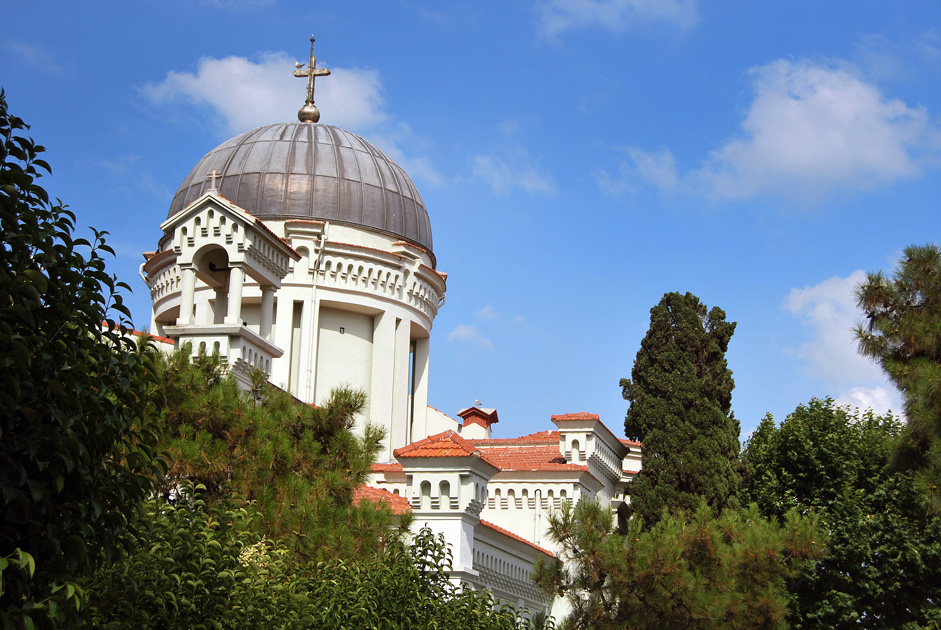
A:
(657, 169)
(879, 399)
(128, 176)
(465, 333)
(514, 170)
(557, 16)
(391, 137)
(486, 313)
(248, 94)
(33, 55)
(811, 131)
(815, 129)
(829, 310)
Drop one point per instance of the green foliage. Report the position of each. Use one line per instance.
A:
(882, 567)
(299, 464)
(680, 395)
(691, 570)
(903, 334)
(407, 587)
(204, 566)
(200, 568)
(74, 456)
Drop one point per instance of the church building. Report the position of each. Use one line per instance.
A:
(303, 250)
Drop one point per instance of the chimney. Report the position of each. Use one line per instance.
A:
(477, 422)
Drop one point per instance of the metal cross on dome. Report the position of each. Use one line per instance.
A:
(309, 112)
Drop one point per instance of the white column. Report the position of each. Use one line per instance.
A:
(284, 326)
(267, 310)
(234, 311)
(420, 390)
(399, 426)
(381, 382)
(219, 309)
(187, 296)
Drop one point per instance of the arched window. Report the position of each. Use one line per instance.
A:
(425, 495)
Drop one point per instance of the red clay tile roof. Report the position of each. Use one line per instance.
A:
(394, 467)
(137, 333)
(631, 472)
(479, 415)
(506, 532)
(543, 437)
(627, 442)
(398, 504)
(444, 444)
(538, 457)
(581, 415)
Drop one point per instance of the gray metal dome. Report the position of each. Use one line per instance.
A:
(318, 172)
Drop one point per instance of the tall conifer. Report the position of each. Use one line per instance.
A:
(903, 333)
(680, 395)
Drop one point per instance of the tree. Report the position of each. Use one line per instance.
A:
(691, 570)
(205, 566)
(202, 567)
(680, 395)
(297, 463)
(882, 566)
(903, 333)
(75, 453)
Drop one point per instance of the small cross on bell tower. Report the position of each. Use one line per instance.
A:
(309, 112)
(212, 177)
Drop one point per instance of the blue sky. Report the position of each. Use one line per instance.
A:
(578, 159)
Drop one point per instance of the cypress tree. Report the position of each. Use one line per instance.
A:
(680, 395)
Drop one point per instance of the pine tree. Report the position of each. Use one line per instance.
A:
(903, 334)
(680, 395)
(695, 570)
(297, 463)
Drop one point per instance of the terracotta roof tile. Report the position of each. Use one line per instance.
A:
(507, 532)
(627, 442)
(581, 415)
(543, 437)
(538, 457)
(444, 444)
(138, 333)
(393, 467)
(398, 504)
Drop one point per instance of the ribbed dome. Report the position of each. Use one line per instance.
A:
(308, 171)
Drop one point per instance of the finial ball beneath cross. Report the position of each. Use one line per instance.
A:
(308, 113)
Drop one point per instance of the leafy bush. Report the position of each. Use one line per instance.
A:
(882, 566)
(75, 453)
(205, 566)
